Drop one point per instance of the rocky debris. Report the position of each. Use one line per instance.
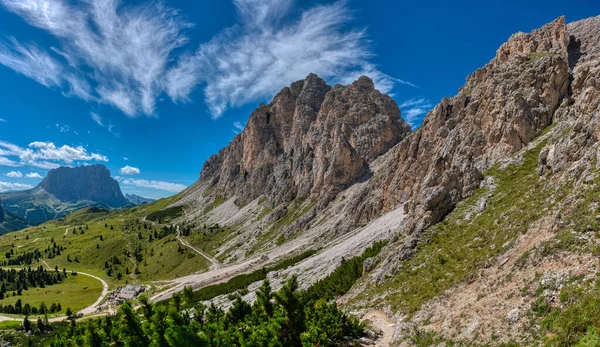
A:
(369, 265)
(513, 316)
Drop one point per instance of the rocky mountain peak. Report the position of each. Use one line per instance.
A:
(90, 182)
(311, 140)
(552, 37)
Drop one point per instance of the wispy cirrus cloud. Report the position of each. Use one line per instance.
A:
(45, 155)
(102, 123)
(272, 46)
(238, 127)
(414, 110)
(8, 186)
(128, 55)
(159, 185)
(96, 118)
(107, 52)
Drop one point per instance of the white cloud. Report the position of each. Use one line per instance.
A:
(44, 155)
(7, 186)
(271, 47)
(14, 174)
(7, 162)
(414, 110)
(238, 127)
(160, 185)
(127, 55)
(129, 170)
(125, 158)
(2, 120)
(33, 175)
(109, 52)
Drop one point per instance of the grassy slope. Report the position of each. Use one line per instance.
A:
(162, 258)
(76, 292)
(457, 248)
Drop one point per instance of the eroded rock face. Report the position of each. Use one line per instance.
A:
(502, 107)
(312, 141)
(572, 152)
(91, 183)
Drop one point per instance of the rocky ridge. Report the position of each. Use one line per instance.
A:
(311, 142)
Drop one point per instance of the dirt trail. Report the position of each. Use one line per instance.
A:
(93, 307)
(215, 264)
(310, 269)
(381, 323)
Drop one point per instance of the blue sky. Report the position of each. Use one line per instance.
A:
(152, 89)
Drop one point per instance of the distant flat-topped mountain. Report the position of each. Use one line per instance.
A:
(65, 190)
(138, 200)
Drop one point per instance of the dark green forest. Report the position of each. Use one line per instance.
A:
(288, 317)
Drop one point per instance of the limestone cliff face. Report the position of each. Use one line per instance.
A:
(572, 152)
(311, 141)
(65, 190)
(91, 182)
(501, 108)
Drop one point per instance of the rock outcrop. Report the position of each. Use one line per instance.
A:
(311, 141)
(501, 108)
(90, 182)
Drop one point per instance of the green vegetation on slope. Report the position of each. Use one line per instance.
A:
(275, 319)
(285, 318)
(344, 277)
(458, 246)
(241, 282)
(166, 214)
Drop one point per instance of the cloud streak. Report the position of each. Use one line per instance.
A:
(159, 185)
(414, 110)
(45, 155)
(122, 50)
(128, 56)
(271, 47)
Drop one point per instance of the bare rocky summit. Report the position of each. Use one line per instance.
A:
(90, 182)
(311, 142)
